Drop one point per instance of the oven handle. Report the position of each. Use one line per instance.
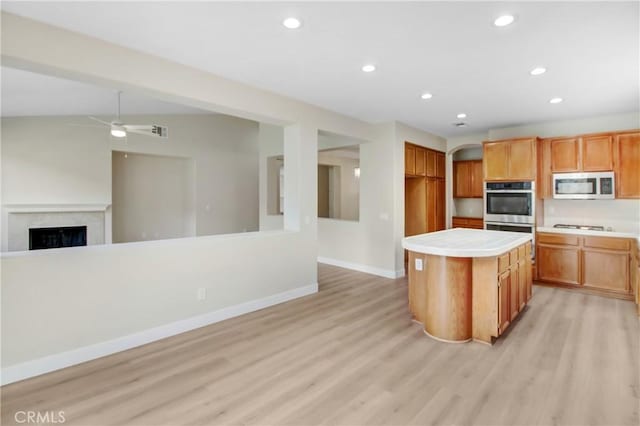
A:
(522, 225)
(512, 191)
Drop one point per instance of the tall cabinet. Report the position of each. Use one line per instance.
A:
(424, 186)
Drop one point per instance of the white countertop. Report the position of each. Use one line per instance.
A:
(459, 242)
(588, 232)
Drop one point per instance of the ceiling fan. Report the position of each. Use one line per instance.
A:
(120, 129)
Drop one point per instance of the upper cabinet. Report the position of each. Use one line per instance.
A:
(590, 153)
(627, 164)
(510, 160)
(565, 155)
(420, 161)
(467, 179)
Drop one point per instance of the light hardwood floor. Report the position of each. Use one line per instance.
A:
(350, 355)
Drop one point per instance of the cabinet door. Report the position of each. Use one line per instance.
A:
(514, 303)
(421, 159)
(522, 160)
(565, 155)
(529, 271)
(440, 165)
(597, 153)
(441, 205)
(461, 179)
(558, 264)
(496, 160)
(544, 177)
(432, 200)
(477, 182)
(627, 167)
(605, 270)
(409, 160)
(504, 318)
(431, 163)
(522, 284)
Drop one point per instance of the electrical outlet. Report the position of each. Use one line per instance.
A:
(418, 264)
(201, 293)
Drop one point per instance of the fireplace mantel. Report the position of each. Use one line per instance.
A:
(54, 208)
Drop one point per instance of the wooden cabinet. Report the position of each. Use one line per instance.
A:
(425, 199)
(601, 263)
(420, 167)
(558, 264)
(409, 160)
(565, 155)
(597, 153)
(607, 270)
(467, 179)
(440, 165)
(510, 160)
(501, 290)
(627, 164)
(504, 301)
(587, 153)
(467, 222)
(441, 205)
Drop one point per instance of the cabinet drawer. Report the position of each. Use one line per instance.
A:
(607, 243)
(503, 262)
(475, 223)
(559, 239)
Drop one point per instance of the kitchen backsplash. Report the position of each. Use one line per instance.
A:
(621, 215)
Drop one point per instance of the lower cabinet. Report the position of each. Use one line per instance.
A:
(558, 264)
(501, 290)
(599, 263)
(605, 270)
(467, 222)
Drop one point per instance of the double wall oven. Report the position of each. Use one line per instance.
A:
(510, 206)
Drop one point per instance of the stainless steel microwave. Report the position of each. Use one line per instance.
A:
(584, 186)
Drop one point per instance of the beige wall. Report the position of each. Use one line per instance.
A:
(152, 197)
(348, 190)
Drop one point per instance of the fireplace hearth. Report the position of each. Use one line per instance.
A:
(57, 237)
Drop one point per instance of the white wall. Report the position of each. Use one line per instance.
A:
(137, 286)
(47, 161)
(271, 147)
(152, 197)
(348, 187)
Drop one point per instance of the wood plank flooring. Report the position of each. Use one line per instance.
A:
(350, 355)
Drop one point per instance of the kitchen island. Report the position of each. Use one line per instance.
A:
(468, 284)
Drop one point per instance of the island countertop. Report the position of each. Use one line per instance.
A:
(459, 242)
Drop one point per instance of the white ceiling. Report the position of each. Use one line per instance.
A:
(451, 49)
(29, 94)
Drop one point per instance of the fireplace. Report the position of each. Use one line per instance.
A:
(63, 236)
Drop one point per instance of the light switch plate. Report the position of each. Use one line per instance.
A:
(418, 264)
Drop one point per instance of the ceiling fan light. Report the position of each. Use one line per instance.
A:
(118, 131)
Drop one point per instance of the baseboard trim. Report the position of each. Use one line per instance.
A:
(387, 273)
(61, 360)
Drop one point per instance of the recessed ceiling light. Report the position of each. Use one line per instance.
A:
(555, 100)
(369, 68)
(504, 20)
(462, 115)
(538, 71)
(292, 23)
(426, 96)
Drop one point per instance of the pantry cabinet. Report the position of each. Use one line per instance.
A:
(467, 179)
(513, 159)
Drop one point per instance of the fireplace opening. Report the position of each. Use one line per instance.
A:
(64, 236)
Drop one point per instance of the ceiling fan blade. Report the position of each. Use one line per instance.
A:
(95, 126)
(98, 120)
(148, 130)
